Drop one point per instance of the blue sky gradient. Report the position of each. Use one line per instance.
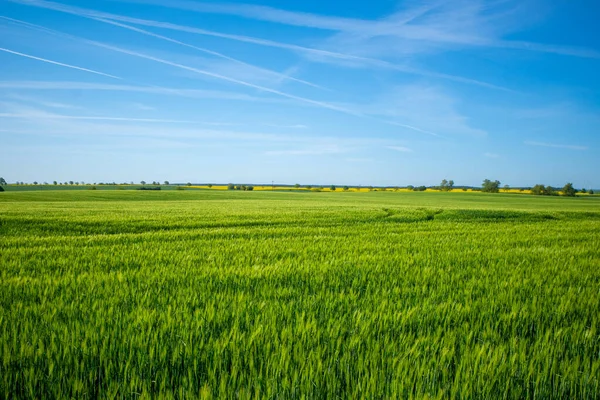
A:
(371, 93)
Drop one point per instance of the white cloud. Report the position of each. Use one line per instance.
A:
(314, 54)
(400, 148)
(558, 146)
(428, 107)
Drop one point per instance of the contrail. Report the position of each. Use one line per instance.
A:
(87, 13)
(92, 118)
(211, 52)
(59, 63)
(233, 80)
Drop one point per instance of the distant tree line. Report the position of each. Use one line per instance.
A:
(231, 186)
(488, 186)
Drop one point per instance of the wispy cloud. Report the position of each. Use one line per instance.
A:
(42, 102)
(192, 93)
(461, 22)
(301, 99)
(400, 148)
(58, 63)
(555, 145)
(429, 107)
(211, 52)
(296, 126)
(41, 115)
(310, 151)
(142, 107)
(313, 53)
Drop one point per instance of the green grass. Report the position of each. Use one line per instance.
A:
(298, 295)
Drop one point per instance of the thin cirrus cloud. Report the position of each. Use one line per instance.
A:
(463, 23)
(401, 149)
(168, 39)
(29, 116)
(555, 145)
(90, 86)
(237, 81)
(312, 53)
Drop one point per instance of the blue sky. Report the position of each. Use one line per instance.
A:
(368, 93)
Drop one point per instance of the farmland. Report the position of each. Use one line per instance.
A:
(230, 294)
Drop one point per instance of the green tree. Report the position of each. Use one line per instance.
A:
(297, 185)
(489, 186)
(210, 185)
(569, 190)
(2, 182)
(230, 186)
(308, 187)
(35, 182)
(1, 188)
(55, 183)
(506, 188)
(591, 191)
(538, 190)
(583, 190)
(549, 191)
(250, 188)
(189, 184)
(346, 188)
(410, 187)
(166, 182)
(332, 188)
(71, 182)
(143, 182)
(446, 185)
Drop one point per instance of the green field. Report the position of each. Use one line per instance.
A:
(185, 294)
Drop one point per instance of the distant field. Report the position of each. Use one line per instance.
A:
(231, 294)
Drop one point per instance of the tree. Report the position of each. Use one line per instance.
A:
(1, 188)
(537, 190)
(541, 190)
(166, 182)
(490, 187)
(591, 191)
(2, 182)
(189, 184)
(71, 182)
(55, 183)
(210, 185)
(549, 191)
(143, 182)
(250, 188)
(506, 188)
(35, 182)
(446, 186)
(583, 190)
(569, 190)
(332, 188)
(230, 186)
(308, 187)
(346, 188)
(410, 187)
(297, 186)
